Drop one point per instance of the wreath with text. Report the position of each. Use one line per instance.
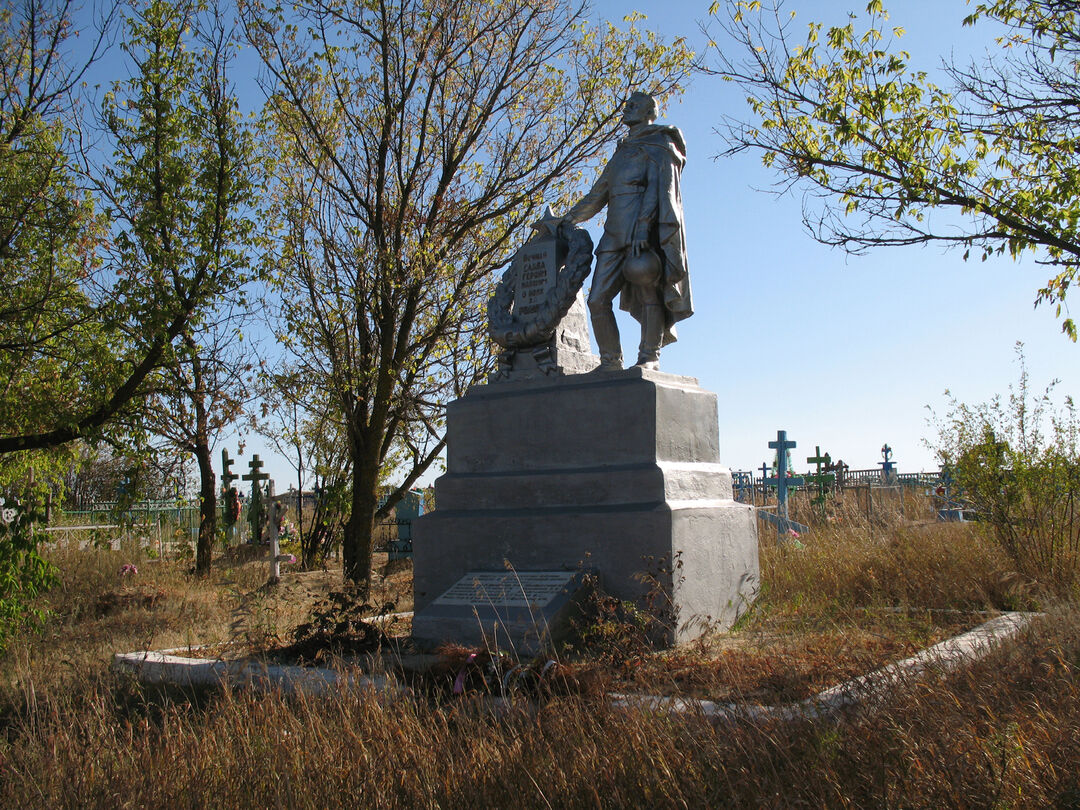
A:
(512, 332)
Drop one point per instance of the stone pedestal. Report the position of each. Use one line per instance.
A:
(617, 473)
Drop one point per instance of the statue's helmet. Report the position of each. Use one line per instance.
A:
(642, 270)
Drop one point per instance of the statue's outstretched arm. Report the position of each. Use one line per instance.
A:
(593, 202)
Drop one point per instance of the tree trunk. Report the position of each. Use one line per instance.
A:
(299, 489)
(204, 548)
(360, 529)
(207, 510)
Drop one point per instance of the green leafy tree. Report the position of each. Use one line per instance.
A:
(23, 572)
(177, 190)
(415, 139)
(109, 257)
(48, 231)
(988, 163)
(51, 340)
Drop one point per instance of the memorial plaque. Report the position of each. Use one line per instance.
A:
(537, 266)
(523, 610)
(513, 589)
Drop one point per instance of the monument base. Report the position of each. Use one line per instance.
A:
(615, 473)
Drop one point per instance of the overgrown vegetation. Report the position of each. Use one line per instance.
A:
(1004, 732)
(23, 572)
(1017, 461)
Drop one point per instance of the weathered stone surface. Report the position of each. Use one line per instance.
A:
(642, 254)
(537, 312)
(568, 351)
(525, 610)
(617, 472)
(606, 419)
(536, 267)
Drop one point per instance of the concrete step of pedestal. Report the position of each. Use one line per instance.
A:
(591, 486)
(635, 416)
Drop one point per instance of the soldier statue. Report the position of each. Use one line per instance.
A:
(642, 254)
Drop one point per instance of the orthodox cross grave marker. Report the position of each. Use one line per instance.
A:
(227, 475)
(764, 476)
(255, 509)
(888, 467)
(229, 496)
(822, 478)
(783, 524)
(277, 514)
(742, 486)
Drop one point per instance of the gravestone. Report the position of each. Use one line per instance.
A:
(255, 508)
(230, 497)
(276, 514)
(888, 467)
(822, 478)
(407, 510)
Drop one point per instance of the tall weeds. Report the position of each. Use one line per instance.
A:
(1005, 732)
(1017, 461)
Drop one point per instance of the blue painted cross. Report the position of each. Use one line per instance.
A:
(782, 482)
(887, 467)
(782, 479)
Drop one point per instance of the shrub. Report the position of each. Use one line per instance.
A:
(23, 574)
(1016, 462)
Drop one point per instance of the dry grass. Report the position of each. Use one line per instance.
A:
(935, 566)
(1001, 733)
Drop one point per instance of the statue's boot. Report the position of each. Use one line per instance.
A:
(652, 334)
(606, 332)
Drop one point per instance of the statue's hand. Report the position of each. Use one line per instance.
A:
(640, 245)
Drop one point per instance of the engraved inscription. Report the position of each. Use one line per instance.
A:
(512, 589)
(536, 277)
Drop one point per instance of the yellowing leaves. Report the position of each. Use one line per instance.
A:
(883, 146)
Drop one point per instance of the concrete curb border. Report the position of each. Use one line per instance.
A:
(865, 690)
(161, 667)
(164, 668)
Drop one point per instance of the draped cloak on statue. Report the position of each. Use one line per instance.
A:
(640, 186)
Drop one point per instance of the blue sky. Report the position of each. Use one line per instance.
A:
(843, 352)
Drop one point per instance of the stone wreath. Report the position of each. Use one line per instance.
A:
(511, 332)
